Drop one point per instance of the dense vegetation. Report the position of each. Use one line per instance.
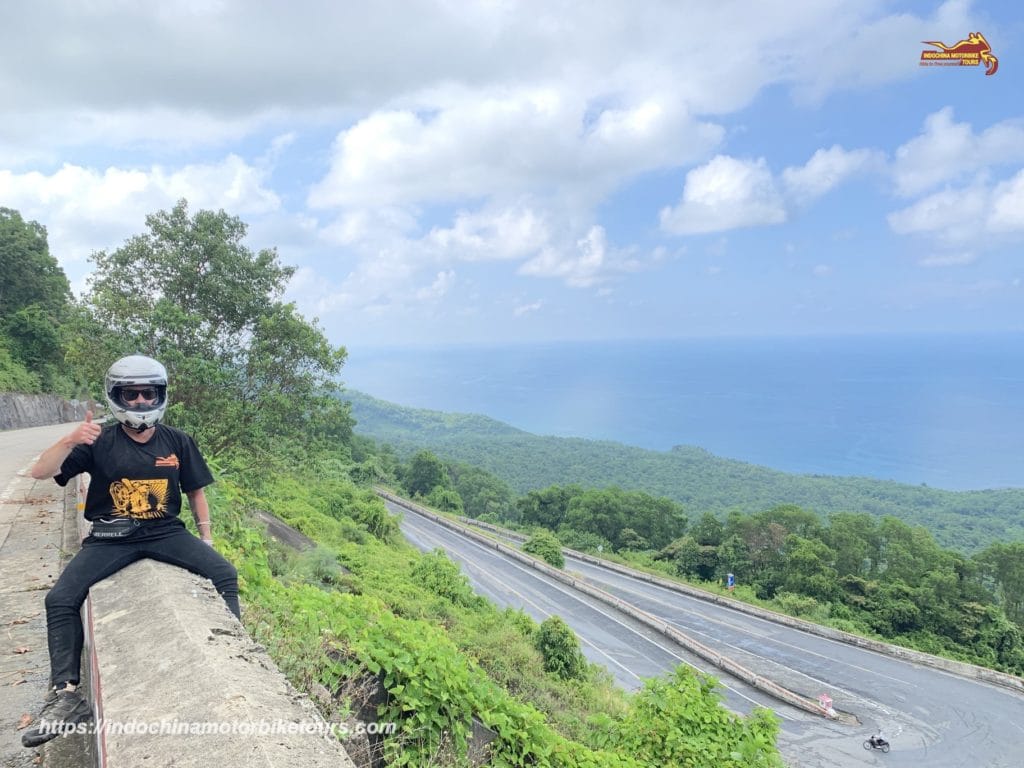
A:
(252, 379)
(880, 578)
(35, 301)
(967, 521)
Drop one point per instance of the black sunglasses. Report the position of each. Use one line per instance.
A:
(131, 395)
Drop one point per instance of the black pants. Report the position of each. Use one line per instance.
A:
(165, 540)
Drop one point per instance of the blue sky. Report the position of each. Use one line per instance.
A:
(449, 172)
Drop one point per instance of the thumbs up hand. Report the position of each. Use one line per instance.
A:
(86, 432)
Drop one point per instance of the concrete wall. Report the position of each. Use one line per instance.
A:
(18, 411)
(179, 682)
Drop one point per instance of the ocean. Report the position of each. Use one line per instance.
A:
(946, 411)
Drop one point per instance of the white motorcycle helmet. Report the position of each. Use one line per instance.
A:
(137, 372)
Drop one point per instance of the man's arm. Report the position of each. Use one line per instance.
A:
(49, 463)
(200, 513)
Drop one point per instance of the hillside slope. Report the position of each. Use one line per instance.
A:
(702, 482)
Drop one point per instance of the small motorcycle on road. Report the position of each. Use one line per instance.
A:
(876, 742)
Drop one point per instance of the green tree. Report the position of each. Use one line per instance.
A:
(15, 377)
(482, 493)
(854, 539)
(445, 499)
(425, 473)
(34, 301)
(808, 568)
(733, 558)
(1004, 564)
(907, 552)
(630, 539)
(602, 511)
(245, 367)
(656, 521)
(29, 275)
(709, 531)
(547, 508)
(688, 556)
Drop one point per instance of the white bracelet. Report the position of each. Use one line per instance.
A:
(202, 522)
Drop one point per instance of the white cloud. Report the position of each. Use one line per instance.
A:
(526, 309)
(509, 233)
(855, 49)
(505, 143)
(382, 282)
(726, 193)
(967, 220)
(952, 216)
(86, 210)
(28, 138)
(462, 132)
(948, 259)
(443, 281)
(1007, 210)
(371, 228)
(729, 193)
(949, 151)
(977, 216)
(582, 267)
(193, 72)
(826, 169)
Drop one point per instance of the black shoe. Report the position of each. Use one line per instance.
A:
(62, 711)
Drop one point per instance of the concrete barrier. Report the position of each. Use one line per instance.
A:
(177, 681)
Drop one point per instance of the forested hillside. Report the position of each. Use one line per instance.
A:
(966, 521)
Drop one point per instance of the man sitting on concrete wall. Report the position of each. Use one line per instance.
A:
(139, 469)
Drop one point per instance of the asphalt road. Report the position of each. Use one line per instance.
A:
(933, 718)
(629, 650)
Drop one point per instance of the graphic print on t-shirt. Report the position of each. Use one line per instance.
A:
(142, 499)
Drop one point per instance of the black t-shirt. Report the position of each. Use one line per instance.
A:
(140, 480)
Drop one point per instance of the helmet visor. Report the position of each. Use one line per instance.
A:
(138, 398)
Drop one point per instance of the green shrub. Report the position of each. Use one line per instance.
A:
(800, 605)
(583, 541)
(680, 721)
(445, 499)
(436, 573)
(560, 648)
(320, 567)
(545, 546)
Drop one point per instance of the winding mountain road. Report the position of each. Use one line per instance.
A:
(932, 717)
